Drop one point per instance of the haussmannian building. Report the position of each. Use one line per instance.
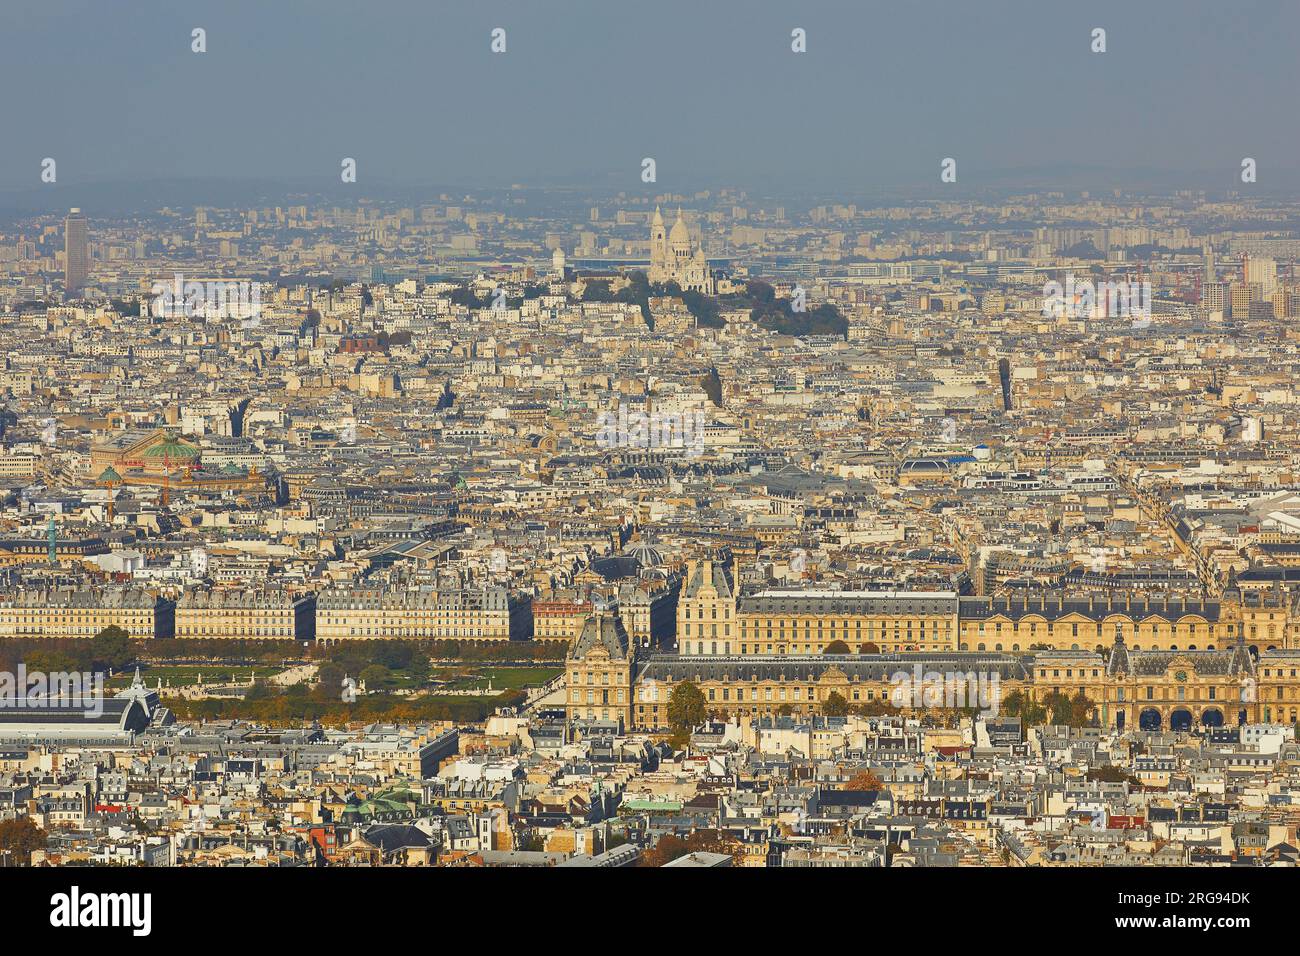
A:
(559, 619)
(84, 612)
(418, 614)
(246, 614)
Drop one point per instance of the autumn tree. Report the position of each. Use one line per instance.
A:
(668, 848)
(836, 647)
(18, 838)
(671, 847)
(1109, 773)
(864, 780)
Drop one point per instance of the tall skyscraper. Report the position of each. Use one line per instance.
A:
(1262, 272)
(76, 253)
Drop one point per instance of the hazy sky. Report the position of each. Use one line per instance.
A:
(709, 88)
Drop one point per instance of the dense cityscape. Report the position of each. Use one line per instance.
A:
(539, 529)
(855, 444)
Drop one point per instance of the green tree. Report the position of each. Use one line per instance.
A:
(1059, 709)
(1016, 704)
(111, 647)
(1080, 707)
(375, 677)
(686, 708)
(835, 705)
(329, 681)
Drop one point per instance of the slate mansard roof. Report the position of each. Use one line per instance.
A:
(849, 602)
(857, 667)
(601, 630)
(977, 608)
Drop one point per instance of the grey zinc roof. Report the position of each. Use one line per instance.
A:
(975, 608)
(720, 579)
(849, 602)
(602, 630)
(861, 667)
(89, 597)
(1203, 662)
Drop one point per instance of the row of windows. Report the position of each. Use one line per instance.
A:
(686, 612)
(212, 630)
(1200, 630)
(713, 630)
(71, 618)
(231, 612)
(724, 647)
(1076, 647)
(426, 619)
(872, 623)
(795, 693)
(1212, 693)
(856, 634)
(441, 631)
(576, 696)
(591, 677)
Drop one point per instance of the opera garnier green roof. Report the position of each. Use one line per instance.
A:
(173, 449)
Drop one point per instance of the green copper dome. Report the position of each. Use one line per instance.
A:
(174, 450)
